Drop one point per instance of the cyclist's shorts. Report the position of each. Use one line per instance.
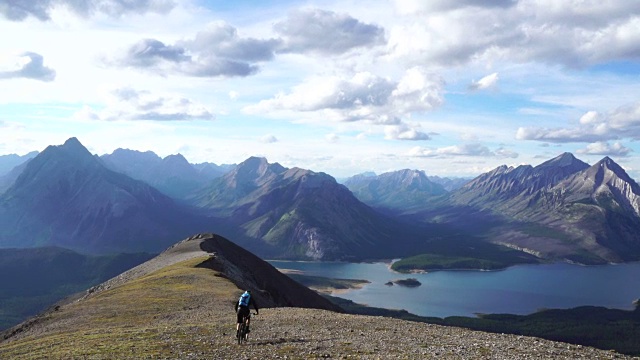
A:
(242, 312)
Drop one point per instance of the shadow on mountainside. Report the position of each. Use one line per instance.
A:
(270, 287)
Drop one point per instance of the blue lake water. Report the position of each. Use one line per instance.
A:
(521, 289)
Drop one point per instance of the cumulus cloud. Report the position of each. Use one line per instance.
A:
(486, 82)
(332, 138)
(215, 51)
(562, 135)
(28, 65)
(506, 153)
(593, 127)
(18, 10)
(604, 148)
(569, 33)
(404, 132)
(421, 6)
(362, 97)
(131, 104)
(474, 149)
(268, 139)
(326, 32)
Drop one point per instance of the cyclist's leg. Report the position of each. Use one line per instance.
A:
(239, 319)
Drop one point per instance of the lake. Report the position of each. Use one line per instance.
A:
(521, 289)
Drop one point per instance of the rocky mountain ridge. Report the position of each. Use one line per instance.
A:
(172, 175)
(299, 213)
(561, 209)
(402, 190)
(66, 197)
(8, 162)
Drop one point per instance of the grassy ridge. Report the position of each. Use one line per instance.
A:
(152, 315)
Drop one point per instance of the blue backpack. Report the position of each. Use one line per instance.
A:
(244, 299)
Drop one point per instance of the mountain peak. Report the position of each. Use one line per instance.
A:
(72, 142)
(564, 160)
(256, 167)
(607, 163)
(72, 150)
(175, 159)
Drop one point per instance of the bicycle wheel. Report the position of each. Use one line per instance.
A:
(241, 333)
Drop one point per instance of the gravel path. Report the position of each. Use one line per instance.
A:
(294, 333)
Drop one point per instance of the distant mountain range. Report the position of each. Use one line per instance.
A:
(403, 190)
(173, 175)
(8, 162)
(131, 201)
(10, 168)
(66, 197)
(560, 209)
(299, 213)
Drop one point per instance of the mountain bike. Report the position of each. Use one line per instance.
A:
(242, 335)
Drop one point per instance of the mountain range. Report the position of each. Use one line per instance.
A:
(560, 209)
(172, 175)
(403, 190)
(66, 197)
(8, 162)
(298, 213)
(129, 201)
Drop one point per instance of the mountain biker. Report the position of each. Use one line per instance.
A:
(242, 308)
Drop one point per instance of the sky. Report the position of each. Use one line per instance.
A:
(454, 88)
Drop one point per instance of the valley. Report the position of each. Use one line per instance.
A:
(129, 202)
(193, 319)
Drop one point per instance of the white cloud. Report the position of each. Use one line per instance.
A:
(268, 139)
(130, 104)
(604, 148)
(486, 82)
(217, 51)
(18, 10)
(506, 153)
(593, 127)
(474, 149)
(363, 97)
(28, 65)
(332, 138)
(572, 33)
(590, 117)
(326, 32)
(404, 132)
(421, 6)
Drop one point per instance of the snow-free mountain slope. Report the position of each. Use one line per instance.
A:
(401, 191)
(66, 197)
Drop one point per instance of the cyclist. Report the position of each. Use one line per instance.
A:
(242, 309)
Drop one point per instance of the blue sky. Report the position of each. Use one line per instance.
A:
(343, 87)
